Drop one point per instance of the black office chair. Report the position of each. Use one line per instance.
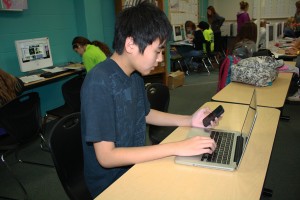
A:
(201, 60)
(177, 59)
(159, 98)
(71, 94)
(21, 118)
(65, 145)
(211, 54)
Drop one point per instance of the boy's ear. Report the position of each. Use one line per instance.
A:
(129, 45)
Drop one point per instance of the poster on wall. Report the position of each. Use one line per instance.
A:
(129, 3)
(13, 4)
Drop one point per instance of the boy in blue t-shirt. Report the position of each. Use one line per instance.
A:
(115, 108)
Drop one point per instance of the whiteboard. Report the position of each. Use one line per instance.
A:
(264, 8)
(274, 8)
(182, 10)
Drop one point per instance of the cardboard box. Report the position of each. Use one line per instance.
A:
(175, 79)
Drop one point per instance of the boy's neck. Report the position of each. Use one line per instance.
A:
(122, 63)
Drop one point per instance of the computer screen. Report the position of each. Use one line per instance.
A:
(34, 54)
(177, 33)
(269, 34)
(279, 30)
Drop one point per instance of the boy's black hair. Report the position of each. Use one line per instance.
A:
(145, 23)
(203, 25)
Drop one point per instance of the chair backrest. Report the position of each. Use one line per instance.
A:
(71, 92)
(21, 117)
(67, 154)
(158, 96)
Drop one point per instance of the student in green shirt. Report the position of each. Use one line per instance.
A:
(92, 52)
(208, 36)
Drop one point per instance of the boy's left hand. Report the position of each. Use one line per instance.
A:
(198, 117)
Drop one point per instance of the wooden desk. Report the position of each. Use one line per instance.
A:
(163, 179)
(181, 43)
(271, 96)
(46, 81)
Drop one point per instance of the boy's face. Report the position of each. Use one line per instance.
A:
(145, 63)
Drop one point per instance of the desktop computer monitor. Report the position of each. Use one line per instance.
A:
(270, 36)
(34, 54)
(226, 29)
(177, 32)
(278, 30)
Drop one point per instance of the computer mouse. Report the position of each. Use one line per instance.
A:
(46, 75)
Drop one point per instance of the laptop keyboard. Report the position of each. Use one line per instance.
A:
(223, 150)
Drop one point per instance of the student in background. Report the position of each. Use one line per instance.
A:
(262, 35)
(295, 50)
(215, 21)
(115, 108)
(190, 28)
(245, 43)
(242, 15)
(11, 87)
(198, 42)
(288, 30)
(209, 37)
(92, 52)
(297, 19)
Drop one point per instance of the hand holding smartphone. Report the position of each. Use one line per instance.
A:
(211, 117)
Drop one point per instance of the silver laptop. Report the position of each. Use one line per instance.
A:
(230, 145)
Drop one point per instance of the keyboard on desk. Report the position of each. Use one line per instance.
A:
(53, 74)
(31, 78)
(37, 77)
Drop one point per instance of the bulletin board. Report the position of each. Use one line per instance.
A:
(274, 8)
(182, 10)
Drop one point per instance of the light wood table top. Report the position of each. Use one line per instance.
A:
(271, 96)
(163, 179)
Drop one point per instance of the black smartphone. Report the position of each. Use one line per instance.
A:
(211, 117)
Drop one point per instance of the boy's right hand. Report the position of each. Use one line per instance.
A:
(195, 146)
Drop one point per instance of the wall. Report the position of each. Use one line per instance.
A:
(61, 21)
(272, 10)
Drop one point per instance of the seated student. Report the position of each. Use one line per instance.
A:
(245, 43)
(92, 52)
(198, 41)
(262, 35)
(11, 87)
(115, 108)
(209, 37)
(295, 50)
(288, 30)
(190, 28)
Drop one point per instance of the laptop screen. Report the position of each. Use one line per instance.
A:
(250, 117)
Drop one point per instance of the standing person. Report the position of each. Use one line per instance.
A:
(215, 21)
(245, 43)
(92, 52)
(242, 15)
(297, 19)
(114, 104)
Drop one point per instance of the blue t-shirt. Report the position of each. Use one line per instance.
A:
(113, 108)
